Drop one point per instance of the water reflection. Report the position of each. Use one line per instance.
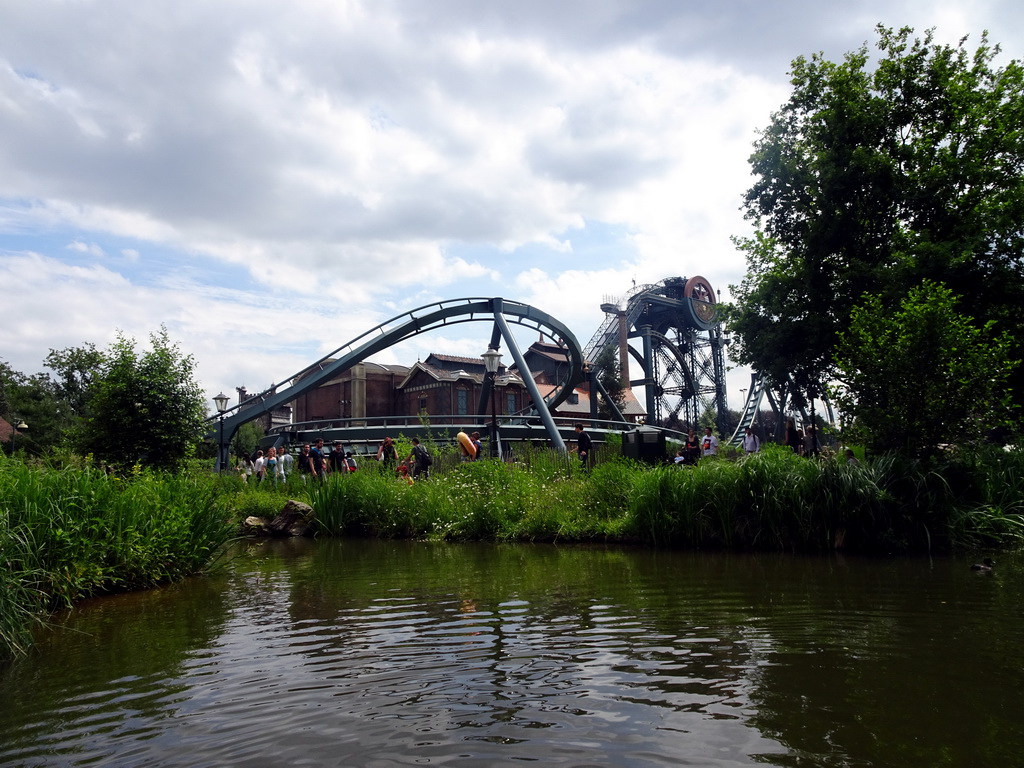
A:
(394, 653)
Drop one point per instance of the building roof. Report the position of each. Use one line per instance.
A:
(443, 374)
(454, 359)
(631, 407)
(552, 351)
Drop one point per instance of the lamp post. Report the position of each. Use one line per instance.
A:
(221, 402)
(492, 359)
(14, 432)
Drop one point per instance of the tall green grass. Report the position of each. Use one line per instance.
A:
(773, 500)
(74, 531)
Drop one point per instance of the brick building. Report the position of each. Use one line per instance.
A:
(442, 385)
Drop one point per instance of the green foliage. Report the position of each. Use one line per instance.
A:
(145, 407)
(68, 531)
(247, 438)
(871, 178)
(923, 375)
(76, 369)
(74, 531)
(33, 399)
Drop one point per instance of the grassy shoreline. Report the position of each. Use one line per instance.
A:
(72, 531)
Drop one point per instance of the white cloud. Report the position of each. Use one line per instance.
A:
(279, 178)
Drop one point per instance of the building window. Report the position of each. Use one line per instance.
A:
(574, 399)
(462, 405)
(510, 402)
(423, 403)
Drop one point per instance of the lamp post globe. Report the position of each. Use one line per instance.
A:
(14, 432)
(221, 403)
(492, 361)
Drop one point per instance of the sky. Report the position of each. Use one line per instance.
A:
(270, 180)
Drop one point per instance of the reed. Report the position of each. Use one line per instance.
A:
(74, 531)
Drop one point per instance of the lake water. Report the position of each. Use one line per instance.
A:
(370, 653)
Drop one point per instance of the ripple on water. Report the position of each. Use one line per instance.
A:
(557, 663)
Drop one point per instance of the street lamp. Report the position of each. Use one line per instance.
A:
(221, 402)
(14, 432)
(492, 359)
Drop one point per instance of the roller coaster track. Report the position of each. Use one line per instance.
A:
(423, 319)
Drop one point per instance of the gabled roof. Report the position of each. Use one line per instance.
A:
(630, 407)
(551, 351)
(439, 374)
(442, 374)
(454, 359)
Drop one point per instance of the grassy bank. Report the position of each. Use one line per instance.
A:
(73, 531)
(774, 500)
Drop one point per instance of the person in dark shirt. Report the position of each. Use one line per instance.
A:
(305, 461)
(387, 454)
(583, 445)
(420, 459)
(319, 462)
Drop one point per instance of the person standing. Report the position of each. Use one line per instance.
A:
(475, 437)
(420, 459)
(258, 467)
(583, 445)
(270, 467)
(709, 445)
(792, 436)
(811, 441)
(305, 462)
(319, 460)
(387, 454)
(692, 447)
(751, 442)
(285, 463)
(336, 459)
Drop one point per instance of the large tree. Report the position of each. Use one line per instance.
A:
(145, 407)
(875, 176)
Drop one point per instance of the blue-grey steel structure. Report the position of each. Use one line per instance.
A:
(430, 317)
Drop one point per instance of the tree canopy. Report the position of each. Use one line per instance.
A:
(871, 179)
(145, 407)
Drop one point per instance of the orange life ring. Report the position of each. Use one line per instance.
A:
(466, 445)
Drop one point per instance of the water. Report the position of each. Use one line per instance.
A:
(366, 653)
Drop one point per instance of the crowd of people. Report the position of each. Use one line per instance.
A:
(277, 464)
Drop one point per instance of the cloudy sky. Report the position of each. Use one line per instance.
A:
(271, 179)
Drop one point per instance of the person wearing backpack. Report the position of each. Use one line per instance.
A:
(421, 460)
(751, 442)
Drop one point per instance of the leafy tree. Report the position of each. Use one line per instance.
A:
(33, 399)
(247, 438)
(871, 179)
(922, 375)
(145, 407)
(76, 369)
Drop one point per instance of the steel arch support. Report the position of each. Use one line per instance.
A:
(421, 320)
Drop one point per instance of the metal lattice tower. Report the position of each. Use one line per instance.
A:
(676, 337)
